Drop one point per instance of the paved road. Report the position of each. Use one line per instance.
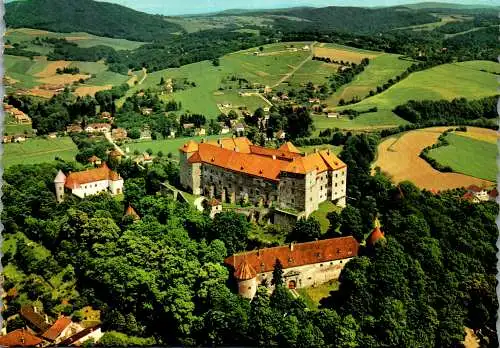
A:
(110, 139)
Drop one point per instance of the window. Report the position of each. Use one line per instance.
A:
(95, 185)
(342, 181)
(309, 278)
(336, 175)
(336, 184)
(331, 263)
(340, 261)
(321, 265)
(293, 200)
(311, 199)
(249, 288)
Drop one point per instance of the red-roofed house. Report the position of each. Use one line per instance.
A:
(59, 330)
(20, 338)
(88, 182)
(235, 170)
(480, 194)
(77, 339)
(304, 264)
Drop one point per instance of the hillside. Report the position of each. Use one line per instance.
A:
(98, 18)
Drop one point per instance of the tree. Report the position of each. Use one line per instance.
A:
(352, 223)
(216, 62)
(305, 230)
(277, 274)
(232, 229)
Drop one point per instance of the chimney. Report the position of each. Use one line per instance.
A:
(291, 246)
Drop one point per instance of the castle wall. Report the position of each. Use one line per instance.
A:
(292, 192)
(59, 192)
(116, 187)
(91, 188)
(233, 187)
(339, 186)
(248, 288)
(307, 275)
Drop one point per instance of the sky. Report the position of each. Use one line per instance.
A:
(176, 7)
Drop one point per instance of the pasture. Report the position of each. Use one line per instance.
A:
(378, 72)
(265, 69)
(446, 81)
(343, 53)
(313, 71)
(398, 157)
(38, 150)
(468, 156)
(85, 40)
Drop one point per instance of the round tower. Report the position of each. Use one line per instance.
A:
(59, 182)
(375, 236)
(246, 276)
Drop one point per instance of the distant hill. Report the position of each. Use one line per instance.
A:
(98, 18)
(446, 5)
(346, 19)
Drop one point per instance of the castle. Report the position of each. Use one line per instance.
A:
(88, 182)
(235, 170)
(304, 264)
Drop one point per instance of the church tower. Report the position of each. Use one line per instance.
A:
(59, 182)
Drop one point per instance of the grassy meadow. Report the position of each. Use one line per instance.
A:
(38, 150)
(468, 156)
(446, 81)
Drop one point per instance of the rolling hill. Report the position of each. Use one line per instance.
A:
(98, 18)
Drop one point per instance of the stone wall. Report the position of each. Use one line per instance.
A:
(91, 188)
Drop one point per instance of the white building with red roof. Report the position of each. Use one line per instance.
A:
(89, 182)
(304, 264)
(234, 170)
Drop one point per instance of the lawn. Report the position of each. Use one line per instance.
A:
(323, 210)
(38, 150)
(314, 295)
(468, 156)
(232, 97)
(166, 146)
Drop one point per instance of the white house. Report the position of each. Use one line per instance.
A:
(77, 339)
(224, 130)
(88, 182)
(98, 128)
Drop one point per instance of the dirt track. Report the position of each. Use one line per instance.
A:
(399, 158)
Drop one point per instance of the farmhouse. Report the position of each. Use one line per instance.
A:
(98, 128)
(20, 338)
(235, 170)
(19, 116)
(304, 264)
(119, 133)
(89, 182)
(476, 194)
(77, 339)
(74, 128)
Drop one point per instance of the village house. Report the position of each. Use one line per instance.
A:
(88, 182)
(214, 207)
(20, 338)
(37, 321)
(333, 115)
(77, 339)
(7, 139)
(106, 116)
(59, 330)
(304, 264)
(119, 134)
(239, 128)
(280, 135)
(235, 170)
(146, 111)
(225, 130)
(476, 194)
(98, 128)
(74, 128)
(145, 134)
(94, 160)
(52, 135)
(188, 125)
(19, 138)
(19, 116)
(200, 132)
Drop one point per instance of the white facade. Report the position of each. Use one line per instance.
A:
(91, 188)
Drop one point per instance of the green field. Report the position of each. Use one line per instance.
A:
(377, 73)
(25, 35)
(320, 214)
(313, 71)
(22, 70)
(251, 102)
(468, 156)
(166, 146)
(446, 81)
(38, 150)
(489, 66)
(267, 70)
(107, 78)
(313, 296)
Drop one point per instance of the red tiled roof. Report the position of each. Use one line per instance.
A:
(94, 159)
(131, 212)
(375, 236)
(36, 319)
(190, 146)
(56, 329)
(265, 151)
(74, 180)
(242, 143)
(19, 338)
(79, 335)
(259, 166)
(289, 147)
(493, 193)
(474, 188)
(263, 260)
(468, 196)
(245, 271)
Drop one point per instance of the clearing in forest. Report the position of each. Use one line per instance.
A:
(399, 159)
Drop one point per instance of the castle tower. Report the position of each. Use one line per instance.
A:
(246, 276)
(190, 174)
(59, 182)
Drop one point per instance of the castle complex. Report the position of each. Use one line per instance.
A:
(235, 170)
